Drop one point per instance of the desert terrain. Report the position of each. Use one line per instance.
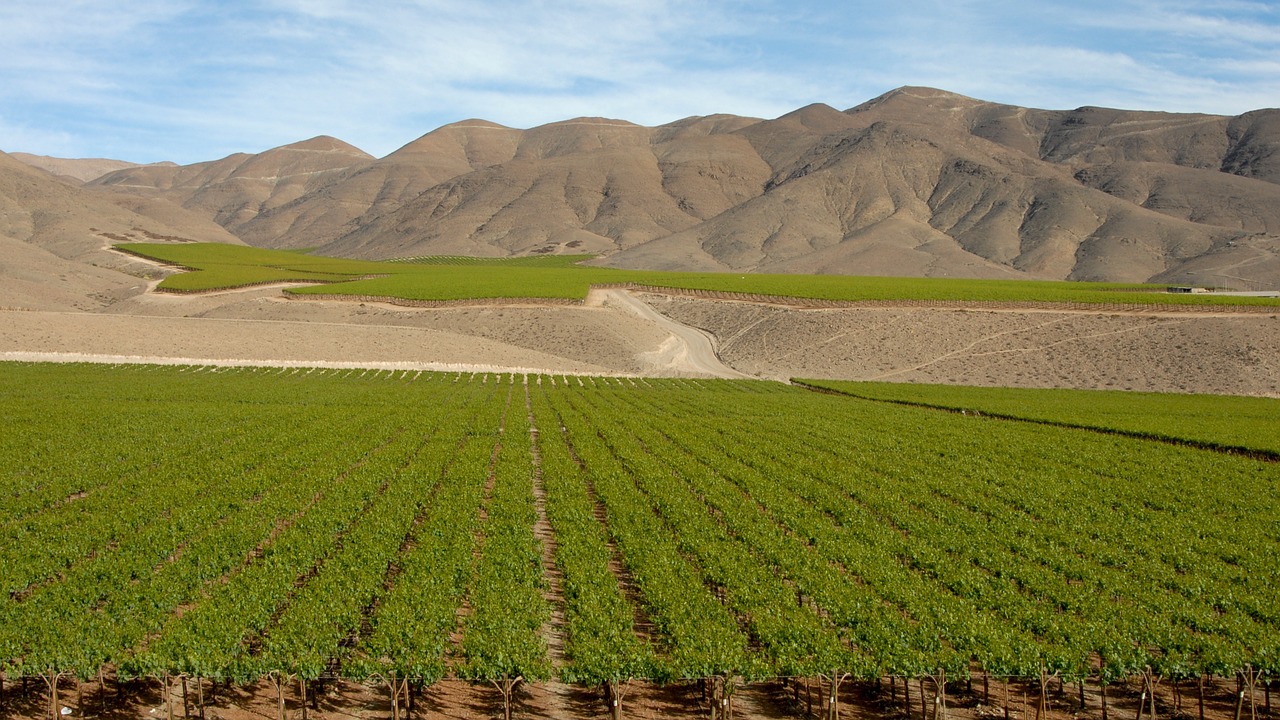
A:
(623, 333)
(916, 182)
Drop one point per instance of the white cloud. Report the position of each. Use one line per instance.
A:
(189, 80)
(19, 137)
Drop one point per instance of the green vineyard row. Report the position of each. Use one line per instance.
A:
(1226, 422)
(215, 266)
(243, 523)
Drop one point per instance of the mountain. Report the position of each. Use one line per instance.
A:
(74, 171)
(233, 191)
(381, 187)
(917, 181)
(925, 182)
(53, 239)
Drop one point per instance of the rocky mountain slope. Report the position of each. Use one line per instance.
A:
(53, 237)
(74, 170)
(915, 182)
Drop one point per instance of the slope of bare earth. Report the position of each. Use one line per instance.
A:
(260, 326)
(923, 182)
(915, 182)
(53, 235)
(75, 170)
(236, 189)
(1228, 354)
(1232, 354)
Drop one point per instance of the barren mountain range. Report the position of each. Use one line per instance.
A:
(916, 182)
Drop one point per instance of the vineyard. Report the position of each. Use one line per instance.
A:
(438, 278)
(1225, 422)
(402, 527)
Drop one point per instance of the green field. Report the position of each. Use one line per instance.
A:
(557, 277)
(1250, 424)
(234, 523)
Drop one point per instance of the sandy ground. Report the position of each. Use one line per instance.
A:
(1231, 354)
(612, 334)
(615, 333)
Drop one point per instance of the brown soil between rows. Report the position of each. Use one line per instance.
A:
(454, 699)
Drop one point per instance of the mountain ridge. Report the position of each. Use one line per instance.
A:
(917, 181)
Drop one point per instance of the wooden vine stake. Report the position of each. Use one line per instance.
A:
(1151, 681)
(278, 681)
(1042, 707)
(1249, 680)
(1008, 682)
(940, 695)
(506, 686)
(1200, 694)
(615, 692)
(397, 686)
(722, 697)
(906, 695)
(835, 679)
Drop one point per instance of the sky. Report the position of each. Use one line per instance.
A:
(195, 80)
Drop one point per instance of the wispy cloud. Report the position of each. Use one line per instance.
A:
(191, 80)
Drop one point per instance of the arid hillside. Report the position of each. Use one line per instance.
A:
(916, 182)
(53, 235)
(75, 170)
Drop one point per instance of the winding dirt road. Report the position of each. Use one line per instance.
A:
(688, 349)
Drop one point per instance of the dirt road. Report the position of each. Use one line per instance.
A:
(687, 349)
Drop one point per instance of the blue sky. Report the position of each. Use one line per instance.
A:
(189, 80)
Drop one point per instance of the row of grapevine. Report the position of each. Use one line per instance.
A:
(380, 524)
(502, 640)
(856, 515)
(603, 644)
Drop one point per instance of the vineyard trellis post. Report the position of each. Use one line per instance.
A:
(615, 692)
(721, 701)
(906, 697)
(940, 694)
(506, 686)
(1149, 683)
(1042, 707)
(834, 680)
(1007, 682)
(1247, 681)
(278, 681)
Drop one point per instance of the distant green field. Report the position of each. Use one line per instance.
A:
(218, 266)
(1224, 421)
(542, 261)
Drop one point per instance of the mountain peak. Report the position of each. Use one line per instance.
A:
(917, 95)
(473, 124)
(326, 143)
(818, 117)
